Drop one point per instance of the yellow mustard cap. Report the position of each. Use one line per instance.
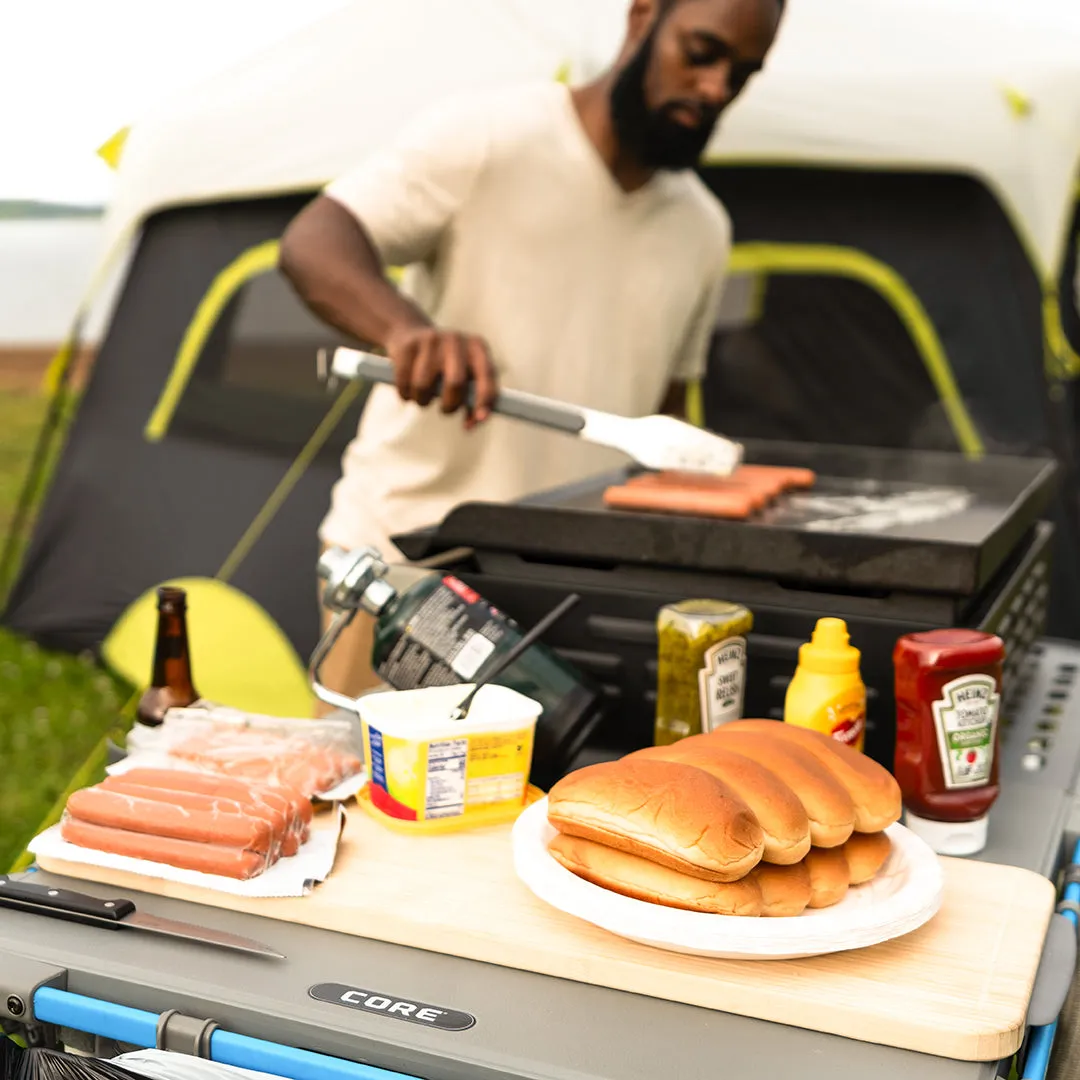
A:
(829, 651)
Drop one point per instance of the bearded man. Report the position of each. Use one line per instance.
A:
(557, 241)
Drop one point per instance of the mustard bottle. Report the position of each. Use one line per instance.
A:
(827, 693)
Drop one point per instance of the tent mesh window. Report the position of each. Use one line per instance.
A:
(125, 511)
(255, 382)
(822, 359)
(839, 344)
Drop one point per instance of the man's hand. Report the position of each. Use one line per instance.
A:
(336, 270)
(424, 355)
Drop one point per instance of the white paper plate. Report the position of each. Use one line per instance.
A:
(906, 894)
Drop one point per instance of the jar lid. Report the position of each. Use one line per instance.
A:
(949, 837)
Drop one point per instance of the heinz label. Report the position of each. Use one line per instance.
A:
(965, 719)
(722, 681)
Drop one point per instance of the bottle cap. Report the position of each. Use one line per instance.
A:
(949, 837)
(829, 651)
(950, 649)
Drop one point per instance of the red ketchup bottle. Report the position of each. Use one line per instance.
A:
(948, 690)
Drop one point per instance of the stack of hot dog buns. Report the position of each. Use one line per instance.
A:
(757, 818)
(194, 821)
(748, 490)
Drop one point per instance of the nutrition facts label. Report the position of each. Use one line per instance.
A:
(496, 789)
(444, 795)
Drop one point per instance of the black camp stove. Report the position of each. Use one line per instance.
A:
(889, 541)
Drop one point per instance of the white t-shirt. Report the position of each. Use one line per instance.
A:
(512, 228)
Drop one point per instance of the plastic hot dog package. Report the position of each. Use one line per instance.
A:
(216, 798)
(320, 758)
(197, 828)
(148, 835)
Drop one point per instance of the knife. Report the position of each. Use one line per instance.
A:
(657, 442)
(115, 915)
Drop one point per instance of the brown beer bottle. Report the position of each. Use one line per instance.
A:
(172, 686)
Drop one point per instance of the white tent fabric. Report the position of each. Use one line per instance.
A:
(986, 87)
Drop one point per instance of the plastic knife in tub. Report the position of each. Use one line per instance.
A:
(115, 915)
(657, 442)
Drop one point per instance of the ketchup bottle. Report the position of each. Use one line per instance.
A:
(948, 691)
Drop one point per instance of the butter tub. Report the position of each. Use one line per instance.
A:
(430, 773)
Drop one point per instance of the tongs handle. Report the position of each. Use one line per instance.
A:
(356, 364)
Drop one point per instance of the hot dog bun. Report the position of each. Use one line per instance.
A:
(643, 879)
(828, 806)
(673, 814)
(829, 875)
(873, 789)
(866, 854)
(785, 890)
(779, 812)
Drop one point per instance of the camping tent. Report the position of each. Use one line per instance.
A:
(911, 240)
(204, 444)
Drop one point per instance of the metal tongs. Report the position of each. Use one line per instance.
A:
(656, 442)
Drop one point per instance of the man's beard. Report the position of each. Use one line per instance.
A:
(652, 136)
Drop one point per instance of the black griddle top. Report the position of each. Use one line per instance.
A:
(876, 519)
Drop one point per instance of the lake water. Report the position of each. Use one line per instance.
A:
(45, 268)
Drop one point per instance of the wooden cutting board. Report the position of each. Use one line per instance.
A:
(958, 988)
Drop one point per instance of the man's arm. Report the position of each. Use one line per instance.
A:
(397, 207)
(332, 264)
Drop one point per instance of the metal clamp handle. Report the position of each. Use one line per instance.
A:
(330, 697)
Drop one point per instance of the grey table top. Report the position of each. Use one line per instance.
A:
(533, 1026)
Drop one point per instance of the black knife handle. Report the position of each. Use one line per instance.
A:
(62, 903)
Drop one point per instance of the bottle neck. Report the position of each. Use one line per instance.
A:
(172, 657)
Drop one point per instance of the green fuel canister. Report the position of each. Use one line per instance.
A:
(437, 631)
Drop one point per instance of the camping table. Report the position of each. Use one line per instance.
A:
(529, 1026)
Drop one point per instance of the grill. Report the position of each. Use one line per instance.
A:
(890, 541)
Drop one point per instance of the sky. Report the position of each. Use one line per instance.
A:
(72, 72)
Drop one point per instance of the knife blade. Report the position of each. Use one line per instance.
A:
(117, 914)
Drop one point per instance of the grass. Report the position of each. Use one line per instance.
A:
(21, 417)
(55, 709)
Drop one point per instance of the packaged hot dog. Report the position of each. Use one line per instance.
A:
(133, 837)
(313, 757)
(195, 821)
